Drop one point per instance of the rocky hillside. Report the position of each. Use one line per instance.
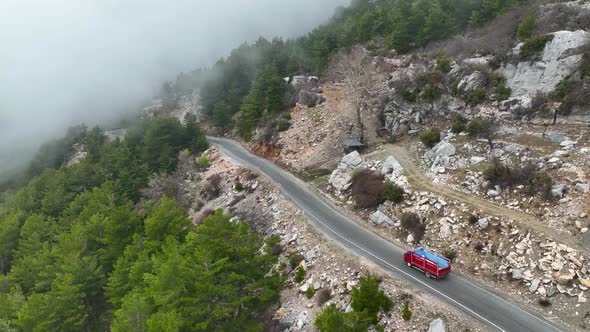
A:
(490, 145)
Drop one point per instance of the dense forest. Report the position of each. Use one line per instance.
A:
(249, 79)
(80, 250)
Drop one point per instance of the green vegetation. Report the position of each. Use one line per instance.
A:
(500, 89)
(458, 125)
(535, 181)
(534, 46)
(203, 161)
(332, 319)
(526, 28)
(474, 127)
(443, 63)
(430, 137)
(406, 312)
(250, 78)
(393, 193)
(367, 301)
(295, 260)
(309, 293)
(283, 124)
(78, 253)
(238, 186)
(476, 96)
(265, 98)
(299, 275)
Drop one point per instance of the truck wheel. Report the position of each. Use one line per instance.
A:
(427, 275)
(409, 264)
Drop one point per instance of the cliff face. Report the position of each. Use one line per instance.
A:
(560, 59)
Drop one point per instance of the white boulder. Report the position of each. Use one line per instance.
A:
(392, 166)
(437, 325)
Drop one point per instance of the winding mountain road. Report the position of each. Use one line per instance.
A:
(475, 300)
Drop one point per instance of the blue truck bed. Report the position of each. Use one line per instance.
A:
(440, 261)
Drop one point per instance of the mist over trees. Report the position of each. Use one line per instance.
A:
(234, 83)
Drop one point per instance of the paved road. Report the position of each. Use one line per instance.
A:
(475, 300)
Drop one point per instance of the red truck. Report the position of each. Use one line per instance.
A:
(433, 264)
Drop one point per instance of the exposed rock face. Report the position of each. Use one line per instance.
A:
(437, 325)
(310, 99)
(392, 166)
(561, 57)
(341, 178)
(471, 82)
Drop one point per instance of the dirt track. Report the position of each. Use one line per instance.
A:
(420, 181)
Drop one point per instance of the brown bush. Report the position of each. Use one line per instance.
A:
(323, 296)
(495, 38)
(560, 16)
(367, 189)
(535, 181)
(213, 186)
(411, 222)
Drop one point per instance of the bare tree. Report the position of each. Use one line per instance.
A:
(355, 69)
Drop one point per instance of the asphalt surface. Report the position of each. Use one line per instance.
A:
(475, 300)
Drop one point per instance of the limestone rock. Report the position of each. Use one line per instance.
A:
(437, 325)
(471, 82)
(379, 218)
(534, 285)
(517, 274)
(341, 177)
(483, 223)
(392, 166)
(564, 279)
(441, 150)
(584, 282)
(561, 58)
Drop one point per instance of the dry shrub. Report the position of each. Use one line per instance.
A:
(544, 302)
(411, 222)
(323, 296)
(535, 181)
(367, 189)
(496, 37)
(213, 186)
(559, 16)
